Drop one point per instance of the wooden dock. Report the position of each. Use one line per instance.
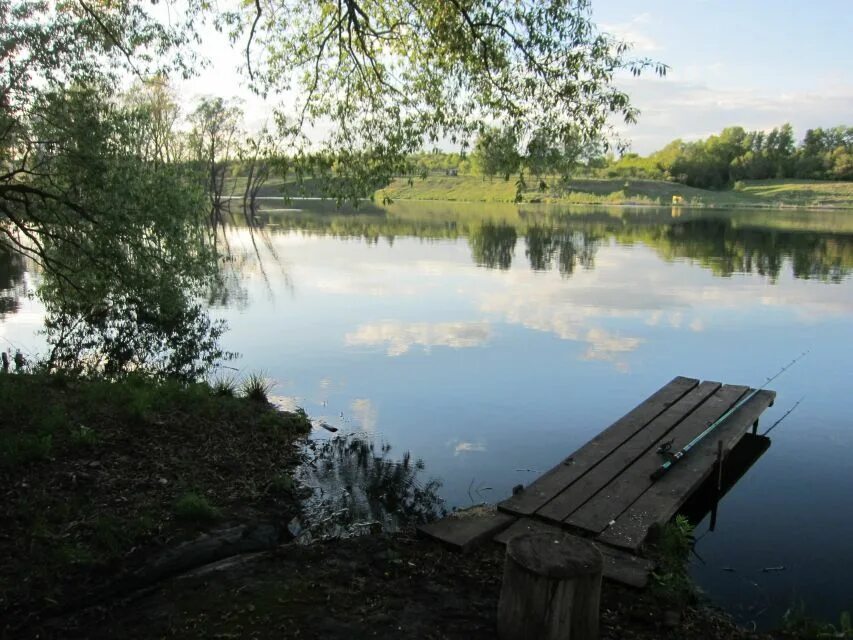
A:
(603, 491)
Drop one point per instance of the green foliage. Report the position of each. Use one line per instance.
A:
(285, 423)
(257, 387)
(390, 81)
(797, 623)
(120, 280)
(224, 387)
(120, 211)
(736, 155)
(20, 449)
(90, 189)
(195, 508)
(671, 579)
(496, 153)
(84, 437)
(282, 483)
(213, 143)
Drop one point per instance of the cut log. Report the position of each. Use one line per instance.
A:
(551, 588)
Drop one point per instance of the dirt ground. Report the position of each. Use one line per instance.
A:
(369, 587)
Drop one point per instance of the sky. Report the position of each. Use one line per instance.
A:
(754, 63)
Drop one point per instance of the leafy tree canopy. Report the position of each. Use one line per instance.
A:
(390, 77)
(100, 190)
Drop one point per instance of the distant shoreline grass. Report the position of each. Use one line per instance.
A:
(800, 194)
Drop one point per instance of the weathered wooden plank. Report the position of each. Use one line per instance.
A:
(619, 565)
(620, 493)
(552, 482)
(466, 532)
(662, 501)
(588, 485)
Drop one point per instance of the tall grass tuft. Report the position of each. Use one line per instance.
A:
(224, 387)
(257, 387)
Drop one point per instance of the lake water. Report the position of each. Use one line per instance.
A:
(491, 341)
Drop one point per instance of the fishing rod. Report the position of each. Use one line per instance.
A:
(678, 455)
(784, 415)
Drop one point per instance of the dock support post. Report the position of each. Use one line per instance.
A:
(755, 428)
(551, 588)
(720, 466)
(719, 490)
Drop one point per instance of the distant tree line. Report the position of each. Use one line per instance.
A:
(503, 152)
(716, 162)
(719, 161)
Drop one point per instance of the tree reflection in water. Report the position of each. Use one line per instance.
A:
(11, 281)
(357, 487)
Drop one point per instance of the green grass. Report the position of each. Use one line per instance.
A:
(805, 193)
(224, 387)
(94, 469)
(257, 387)
(798, 624)
(454, 189)
(195, 508)
(84, 437)
(25, 448)
(671, 580)
(758, 193)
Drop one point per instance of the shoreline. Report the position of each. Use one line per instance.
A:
(150, 509)
(629, 205)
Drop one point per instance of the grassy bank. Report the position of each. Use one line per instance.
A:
(759, 193)
(99, 476)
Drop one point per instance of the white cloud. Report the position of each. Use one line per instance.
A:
(468, 447)
(576, 311)
(400, 337)
(608, 347)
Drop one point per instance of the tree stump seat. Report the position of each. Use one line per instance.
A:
(551, 588)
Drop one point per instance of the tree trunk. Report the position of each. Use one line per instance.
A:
(551, 588)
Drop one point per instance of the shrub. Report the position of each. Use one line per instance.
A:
(192, 507)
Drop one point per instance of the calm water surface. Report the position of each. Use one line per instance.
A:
(491, 342)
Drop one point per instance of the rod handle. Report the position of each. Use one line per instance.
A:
(658, 473)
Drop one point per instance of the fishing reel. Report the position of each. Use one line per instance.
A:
(665, 450)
